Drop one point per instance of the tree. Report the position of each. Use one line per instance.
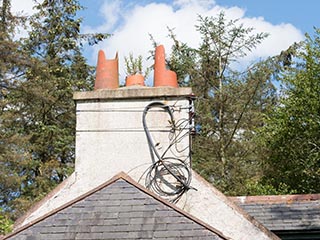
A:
(12, 65)
(12, 61)
(291, 133)
(229, 104)
(38, 117)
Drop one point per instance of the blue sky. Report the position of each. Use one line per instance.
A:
(302, 14)
(130, 22)
(285, 20)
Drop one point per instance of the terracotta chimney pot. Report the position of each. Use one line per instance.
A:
(135, 80)
(107, 72)
(162, 76)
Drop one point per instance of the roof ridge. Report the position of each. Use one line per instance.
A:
(121, 175)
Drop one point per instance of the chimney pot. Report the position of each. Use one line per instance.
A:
(162, 76)
(107, 72)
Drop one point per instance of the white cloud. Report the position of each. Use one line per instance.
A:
(111, 13)
(280, 37)
(131, 35)
(131, 23)
(203, 3)
(25, 7)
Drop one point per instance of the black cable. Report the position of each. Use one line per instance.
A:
(169, 177)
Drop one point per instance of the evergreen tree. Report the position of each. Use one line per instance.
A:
(38, 117)
(12, 61)
(12, 65)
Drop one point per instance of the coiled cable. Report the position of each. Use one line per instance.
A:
(168, 176)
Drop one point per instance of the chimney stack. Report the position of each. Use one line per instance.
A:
(111, 136)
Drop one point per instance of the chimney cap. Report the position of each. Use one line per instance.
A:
(136, 93)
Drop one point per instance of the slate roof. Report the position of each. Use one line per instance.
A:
(285, 212)
(118, 209)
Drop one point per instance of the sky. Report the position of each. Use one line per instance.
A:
(131, 22)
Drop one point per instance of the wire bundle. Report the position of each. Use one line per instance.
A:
(168, 176)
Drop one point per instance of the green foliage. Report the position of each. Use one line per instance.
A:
(182, 60)
(12, 66)
(12, 60)
(134, 66)
(5, 224)
(291, 134)
(259, 188)
(229, 103)
(37, 111)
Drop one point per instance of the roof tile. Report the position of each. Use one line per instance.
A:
(284, 212)
(119, 210)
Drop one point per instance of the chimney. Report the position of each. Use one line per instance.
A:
(127, 129)
(145, 133)
(142, 131)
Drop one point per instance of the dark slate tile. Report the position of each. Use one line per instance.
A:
(291, 215)
(83, 236)
(118, 211)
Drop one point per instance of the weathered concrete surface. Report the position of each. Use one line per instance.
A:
(110, 135)
(135, 92)
(110, 139)
(211, 206)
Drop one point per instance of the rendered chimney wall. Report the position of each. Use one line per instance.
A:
(110, 137)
